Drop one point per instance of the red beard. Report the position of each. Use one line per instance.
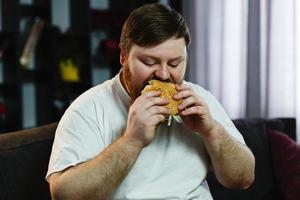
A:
(130, 84)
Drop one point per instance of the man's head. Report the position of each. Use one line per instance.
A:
(153, 24)
(153, 45)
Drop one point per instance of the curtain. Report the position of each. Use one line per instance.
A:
(247, 53)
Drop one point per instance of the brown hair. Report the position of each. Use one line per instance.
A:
(152, 24)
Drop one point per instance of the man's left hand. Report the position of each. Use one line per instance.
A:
(194, 111)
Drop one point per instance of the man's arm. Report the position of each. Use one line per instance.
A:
(98, 177)
(233, 163)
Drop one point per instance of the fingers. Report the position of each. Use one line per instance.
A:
(199, 110)
(156, 119)
(154, 110)
(153, 98)
(151, 94)
(183, 94)
(156, 101)
(183, 87)
(191, 102)
(189, 97)
(152, 103)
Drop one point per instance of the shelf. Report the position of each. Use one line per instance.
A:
(38, 76)
(90, 42)
(102, 19)
(35, 11)
(67, 92)
(71, 86)
(74, 36)
(7, 87)
(6, 34)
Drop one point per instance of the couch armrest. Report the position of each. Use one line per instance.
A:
(24, 157)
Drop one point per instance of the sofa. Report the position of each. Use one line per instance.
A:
(277, 157)
(24, 157)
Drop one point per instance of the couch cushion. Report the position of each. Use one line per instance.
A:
(264, 187)
(24, 157)
(284, 125)
(286, 162)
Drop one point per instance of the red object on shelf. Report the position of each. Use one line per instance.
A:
(2, 108)
(104, 18)
(109, 47)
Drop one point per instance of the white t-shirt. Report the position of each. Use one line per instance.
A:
(173, 166)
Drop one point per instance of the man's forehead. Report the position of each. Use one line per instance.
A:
(173, 48)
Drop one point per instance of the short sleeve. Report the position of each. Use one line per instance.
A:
(78, 138)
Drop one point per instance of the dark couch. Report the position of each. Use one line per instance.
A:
(24, 157)
(259, 137)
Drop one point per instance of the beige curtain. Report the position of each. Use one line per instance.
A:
(247, 52)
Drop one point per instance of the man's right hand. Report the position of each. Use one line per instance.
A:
(146, 112)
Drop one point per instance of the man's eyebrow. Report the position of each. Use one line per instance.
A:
(179, 58)
(157, 58)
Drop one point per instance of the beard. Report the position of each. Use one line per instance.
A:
(129, 83)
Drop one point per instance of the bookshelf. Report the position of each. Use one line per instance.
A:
(75, 48)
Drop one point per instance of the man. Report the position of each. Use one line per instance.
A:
(114, 143)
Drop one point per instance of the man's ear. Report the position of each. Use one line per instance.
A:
(122, 57)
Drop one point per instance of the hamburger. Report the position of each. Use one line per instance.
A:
(167, 91)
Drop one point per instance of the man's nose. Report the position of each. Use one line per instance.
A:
(162, 73)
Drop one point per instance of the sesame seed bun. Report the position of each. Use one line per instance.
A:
(167, 90)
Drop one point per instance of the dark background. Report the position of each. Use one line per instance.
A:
(79, 31)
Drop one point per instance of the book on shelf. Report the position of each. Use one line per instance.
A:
(3, 47)
(29, 109)
(29, 48)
